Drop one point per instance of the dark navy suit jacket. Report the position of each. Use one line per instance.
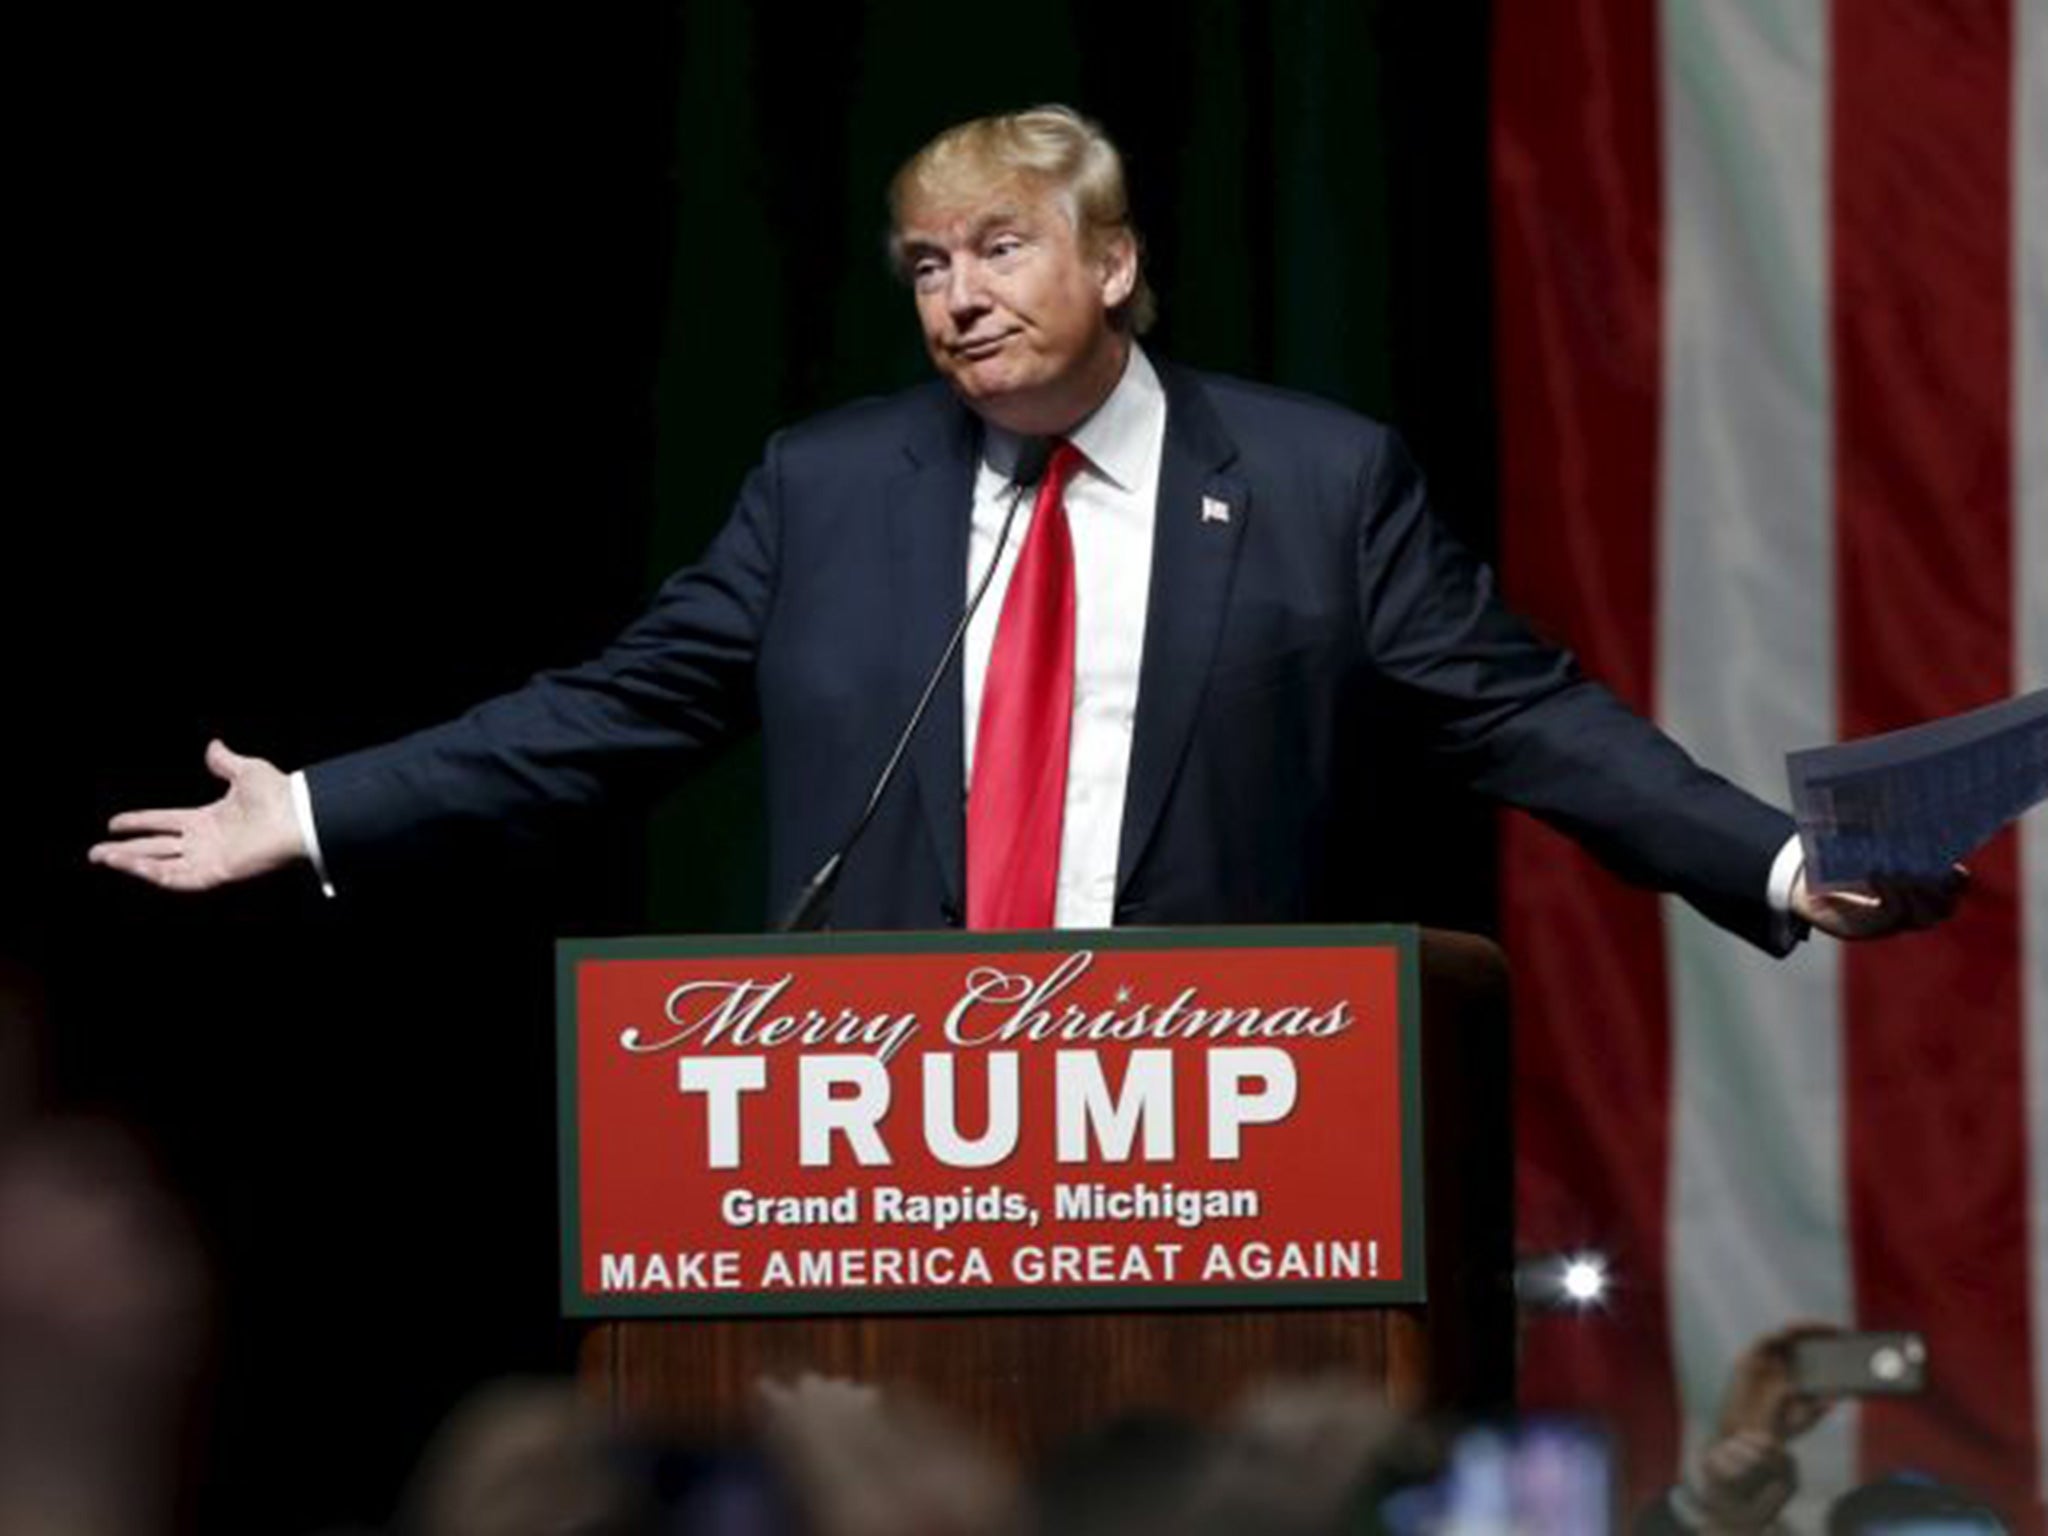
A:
(1324, 586)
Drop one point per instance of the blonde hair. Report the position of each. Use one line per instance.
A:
(1049, 147)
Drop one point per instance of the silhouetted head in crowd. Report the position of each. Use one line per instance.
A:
(1904, 1504)
(527, 1458)
(1134, 1476)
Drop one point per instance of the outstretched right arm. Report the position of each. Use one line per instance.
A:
(250, 830)
(677, 684)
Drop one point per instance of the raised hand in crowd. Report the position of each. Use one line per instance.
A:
(1762, 1396)
(524, 1457)
(1293, 1458)
(1746, 1475)
(862, 1462)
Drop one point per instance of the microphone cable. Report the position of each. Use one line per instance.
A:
(812, 908)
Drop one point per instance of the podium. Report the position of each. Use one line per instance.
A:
(1026, 1380)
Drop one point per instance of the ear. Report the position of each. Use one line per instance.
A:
(1119, 265)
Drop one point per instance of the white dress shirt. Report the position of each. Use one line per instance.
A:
(1111, 500)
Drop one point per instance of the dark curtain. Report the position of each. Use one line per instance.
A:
(384, 355)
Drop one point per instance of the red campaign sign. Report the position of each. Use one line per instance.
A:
(954, 1122)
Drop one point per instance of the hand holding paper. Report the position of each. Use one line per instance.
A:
(1880, 908)
(1885, 822)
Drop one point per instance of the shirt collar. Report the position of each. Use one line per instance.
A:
(1115, 436)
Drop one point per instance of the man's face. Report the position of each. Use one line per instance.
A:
(1015, 311)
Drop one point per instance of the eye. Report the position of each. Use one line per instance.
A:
(1004, 245)
(927, 271)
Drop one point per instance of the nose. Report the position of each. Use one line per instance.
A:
(966, 298)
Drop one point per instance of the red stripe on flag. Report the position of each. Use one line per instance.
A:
(1576, 200)
(1921, 127)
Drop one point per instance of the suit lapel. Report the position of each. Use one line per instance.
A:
(1195, 540)
(929, 503)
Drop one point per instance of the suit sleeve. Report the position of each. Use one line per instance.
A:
(1524, 725)
(673, 688)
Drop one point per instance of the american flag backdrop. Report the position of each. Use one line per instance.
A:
(1772, 308)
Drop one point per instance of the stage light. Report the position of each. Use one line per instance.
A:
(1564, 1282)
(1584, 1281)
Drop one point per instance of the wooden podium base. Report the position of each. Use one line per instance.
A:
(1025, 1381)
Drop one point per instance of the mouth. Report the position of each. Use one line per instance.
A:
(979, 347)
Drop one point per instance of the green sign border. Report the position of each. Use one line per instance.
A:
(1407, 1291)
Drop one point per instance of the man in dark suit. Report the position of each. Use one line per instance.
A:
(1214, 579)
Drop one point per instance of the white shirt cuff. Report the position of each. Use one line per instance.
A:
(1785, 872)
(309, 834)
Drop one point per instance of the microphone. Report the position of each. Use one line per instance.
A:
(812, 908)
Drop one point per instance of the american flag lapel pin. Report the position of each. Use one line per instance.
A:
(1214, 511)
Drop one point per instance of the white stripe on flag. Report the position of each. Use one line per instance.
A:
(1746, 671)
(2030, 567)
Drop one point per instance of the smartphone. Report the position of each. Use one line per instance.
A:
(1883, 1364)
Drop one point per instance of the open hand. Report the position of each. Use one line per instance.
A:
(248, 831)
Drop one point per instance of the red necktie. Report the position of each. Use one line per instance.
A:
(1019, 794)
